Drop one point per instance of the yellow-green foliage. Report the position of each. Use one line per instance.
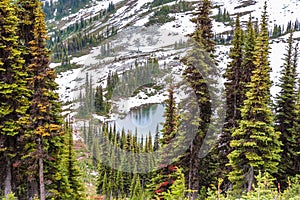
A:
(293, 191)
(10, 196)
(178, 189)
(264, 189)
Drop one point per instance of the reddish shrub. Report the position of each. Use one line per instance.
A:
(158, 191)
(172, 168)
(163, 184)
(16, 164)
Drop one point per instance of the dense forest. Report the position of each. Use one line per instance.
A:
(37, 158)
(255, 155)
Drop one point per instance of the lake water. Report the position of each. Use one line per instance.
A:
(144, 119)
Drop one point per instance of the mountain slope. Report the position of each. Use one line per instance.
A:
(130, 17)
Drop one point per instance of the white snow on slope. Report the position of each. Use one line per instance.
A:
(276, 56)
(146, 40)
(85, 13)
(279, 12)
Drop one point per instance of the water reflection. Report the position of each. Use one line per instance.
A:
(144, 119)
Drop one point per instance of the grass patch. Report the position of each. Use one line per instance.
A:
(161, 16)
(64, 68)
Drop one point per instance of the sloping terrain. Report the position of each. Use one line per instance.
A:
(135, 40)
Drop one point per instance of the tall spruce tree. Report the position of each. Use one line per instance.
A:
(165, 176)
(14, 96)
(255, 143)
(238, 74)
(234, 94)
(45, 109)
(200, 75)
(286, 113)
(191, 161)
(297, 127)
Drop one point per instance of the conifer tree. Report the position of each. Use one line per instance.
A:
(84, 133)
(192, 161)
(286, 113)
(200, 75)
(233, 73)
(164, 177)
(137, 192)
(127, 177)
(135, 186)
(66, 171)
(156, 139)
(171, 122)
(60, 189)
(296, 127)
(99, 101)
(203, 22)
(73, 172)
(238, 73)
(96, 151)
(105, 188)
(120, 192)
(234, 94)
(90, 135)
(247, 63)
(178, 188)
(255, 143)
(44, 109)
(14, 96)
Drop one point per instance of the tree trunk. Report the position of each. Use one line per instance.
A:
(251, 178)
(7, 182)
(200, 88)
(32, 188)
(194, 167)
(41, 173)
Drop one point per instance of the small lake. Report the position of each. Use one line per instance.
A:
(144, 119)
